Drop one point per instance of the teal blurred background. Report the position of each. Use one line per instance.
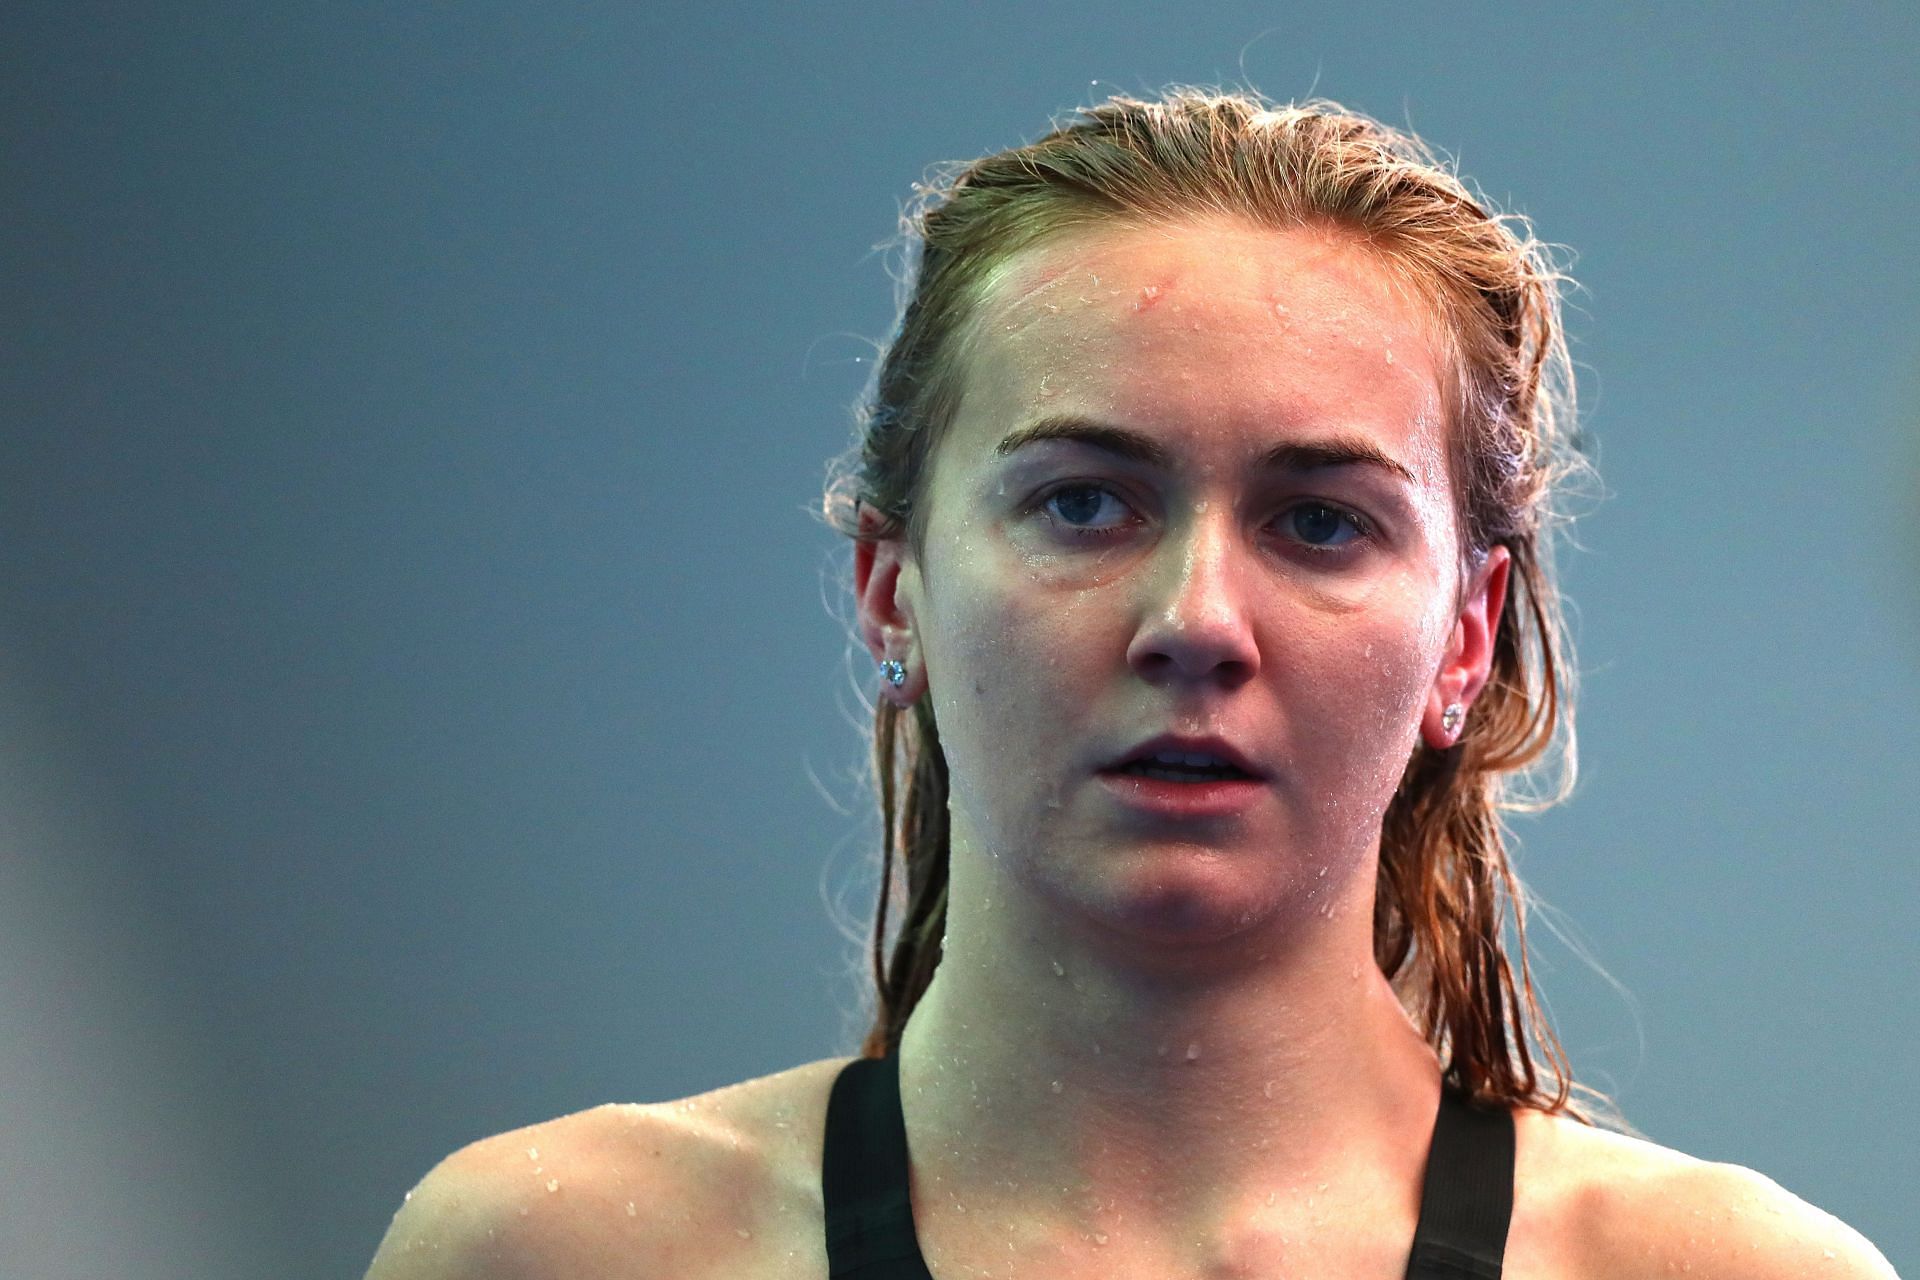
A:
(424, 701)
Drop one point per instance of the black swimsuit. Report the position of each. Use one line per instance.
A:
(1465, 1203)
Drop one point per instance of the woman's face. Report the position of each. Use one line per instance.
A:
(1196, 490)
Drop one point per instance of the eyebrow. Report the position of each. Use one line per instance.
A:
(1294, 455)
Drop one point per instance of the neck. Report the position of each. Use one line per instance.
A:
(1056, 1075)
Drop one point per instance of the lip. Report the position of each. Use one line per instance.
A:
(1214, 799)
(1166, 799)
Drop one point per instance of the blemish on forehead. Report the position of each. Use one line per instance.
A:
(1148, 298)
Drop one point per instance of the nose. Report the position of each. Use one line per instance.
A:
(1195, 625)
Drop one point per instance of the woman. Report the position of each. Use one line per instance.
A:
(1201, 527)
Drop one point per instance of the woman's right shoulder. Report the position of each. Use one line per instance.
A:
(695, 1187)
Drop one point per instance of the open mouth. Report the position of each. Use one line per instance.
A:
(1184, 771)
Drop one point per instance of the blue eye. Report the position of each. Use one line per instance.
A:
(1078, 505)
(1317, 525)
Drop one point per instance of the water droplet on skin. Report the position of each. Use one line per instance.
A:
(553, 1184)
(1267, 1089)
(1056, 1086)
(1355, 975)
(631, 1211)
(1269, 1197)
(743, 1233)
(406, 1197)
(523, 1211)
(1099, 1237)
(1389, 355)
(1193, 1051)
(533, 1153)
(1096, 1048)
(1058, 970)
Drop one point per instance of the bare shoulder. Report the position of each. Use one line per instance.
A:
(701, 1186)
(1623, 1208)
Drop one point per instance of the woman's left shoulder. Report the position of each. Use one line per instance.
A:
(1616, 1207)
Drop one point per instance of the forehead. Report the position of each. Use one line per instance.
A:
(1208, 324)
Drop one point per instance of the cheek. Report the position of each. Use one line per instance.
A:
(1015, 664)
(1356, 696)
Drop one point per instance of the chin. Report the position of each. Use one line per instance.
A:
(1202, 907)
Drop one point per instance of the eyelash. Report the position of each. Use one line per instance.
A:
(1362, 527)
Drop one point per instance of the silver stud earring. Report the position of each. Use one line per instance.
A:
(1451, 717)
(894, 672)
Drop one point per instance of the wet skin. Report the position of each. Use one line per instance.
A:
(1076, 602)
(1140, 523)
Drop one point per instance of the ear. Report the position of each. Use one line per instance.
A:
(885, 582)
(1469, 657)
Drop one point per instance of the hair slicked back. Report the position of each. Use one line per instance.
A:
(1445, 881)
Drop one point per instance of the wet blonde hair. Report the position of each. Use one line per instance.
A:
(1445, 881)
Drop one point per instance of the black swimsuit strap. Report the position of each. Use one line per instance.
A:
(863, 1175)
(1466, 1199)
